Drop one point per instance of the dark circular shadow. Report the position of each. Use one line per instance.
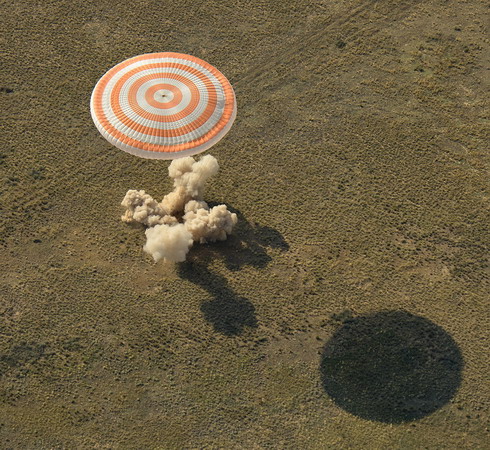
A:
(391, 367)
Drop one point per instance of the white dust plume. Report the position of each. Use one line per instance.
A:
(141, 207)
(207, 225)
(189, 179)
(167, 238)
(168, 242)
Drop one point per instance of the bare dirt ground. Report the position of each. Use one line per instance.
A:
(359, 167)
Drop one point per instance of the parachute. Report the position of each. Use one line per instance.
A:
(163, 105)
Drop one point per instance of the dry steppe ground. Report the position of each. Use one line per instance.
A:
(359, 168)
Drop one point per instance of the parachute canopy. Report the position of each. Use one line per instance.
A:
(163, 105)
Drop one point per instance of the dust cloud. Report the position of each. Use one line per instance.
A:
(182, 217)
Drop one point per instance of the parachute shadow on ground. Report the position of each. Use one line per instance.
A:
(391, 367)
(228, 312)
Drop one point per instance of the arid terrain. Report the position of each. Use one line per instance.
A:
(350, 307)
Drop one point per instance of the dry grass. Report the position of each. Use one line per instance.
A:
(359, 170)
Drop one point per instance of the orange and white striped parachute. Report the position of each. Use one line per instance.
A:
(163, 105)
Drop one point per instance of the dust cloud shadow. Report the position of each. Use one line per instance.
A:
(228, 312)
(391, 367)
(246, 246)
(21, 356)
